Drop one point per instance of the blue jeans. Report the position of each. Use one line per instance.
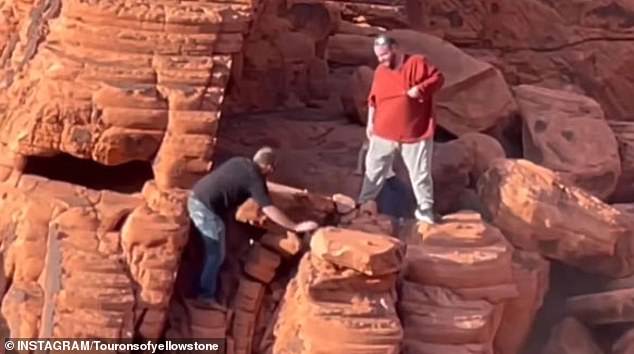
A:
(212, 229)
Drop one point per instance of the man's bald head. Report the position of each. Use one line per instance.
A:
(265, 158)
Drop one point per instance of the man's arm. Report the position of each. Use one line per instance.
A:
(278, 217)
(371, 110)
(260, 193)
(427, 78)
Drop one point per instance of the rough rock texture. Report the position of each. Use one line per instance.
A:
(603, 308)
(531, 274)
(624, 132)
(571, 336)
(116, 81)
(458, 278)
(83, 263)
(533, 207)
(568, 133)
(584, 45)
(283, 61)
(361, 319)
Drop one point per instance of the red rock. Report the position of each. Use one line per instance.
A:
(366, 253)
(570, 336)
(344, 322)
(436, 315)
(624, 345)
(298, 204)
(286, 245)
(485, 149)
(568, 133)
(602, 308)
(351, 49)
(533, 207)
(624, 133)
(413, 346)
(261, 263)
(355, 97)
(462, 251)
(531, 274)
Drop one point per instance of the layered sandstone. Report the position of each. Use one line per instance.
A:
(350, 311)
(81, 263)
(116, 81)
(462, 288)
(533, 206)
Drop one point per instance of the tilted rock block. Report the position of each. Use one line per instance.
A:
(531, 273)
(534, 207)
(571, 336)
(262, 263)
(370, 254)
(462, 251)
(568, 133)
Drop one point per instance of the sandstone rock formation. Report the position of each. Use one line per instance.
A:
(84, 263)
(533, 206)
(461, 288)
(116, 82)
(350, 311)
(568, 133)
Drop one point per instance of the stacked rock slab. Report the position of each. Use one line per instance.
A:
(78, 265)
(260, 277)
(458, 280)
(342, 298)
(538, 211)
(116, 81)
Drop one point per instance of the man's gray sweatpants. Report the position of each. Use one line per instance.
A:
(417, 158)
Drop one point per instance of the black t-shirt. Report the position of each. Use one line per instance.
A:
(231, 184)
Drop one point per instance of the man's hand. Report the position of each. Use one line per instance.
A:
(414, 93)
(305, 226)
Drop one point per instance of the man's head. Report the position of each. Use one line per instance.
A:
(385, 49)
(265, 159)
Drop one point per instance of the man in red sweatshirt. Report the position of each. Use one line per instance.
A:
(401, 120)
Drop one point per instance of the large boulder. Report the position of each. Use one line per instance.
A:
(586, 44)
(568, 133)
(533, 207)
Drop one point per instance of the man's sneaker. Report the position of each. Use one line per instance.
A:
(426, 217)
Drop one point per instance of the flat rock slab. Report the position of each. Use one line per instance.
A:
(367, 253)
(461, 251)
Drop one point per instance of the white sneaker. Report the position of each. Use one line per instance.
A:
(427, 217)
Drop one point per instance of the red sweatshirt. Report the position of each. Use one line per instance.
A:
(398, 117)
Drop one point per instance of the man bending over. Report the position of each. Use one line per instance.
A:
(224, 189)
